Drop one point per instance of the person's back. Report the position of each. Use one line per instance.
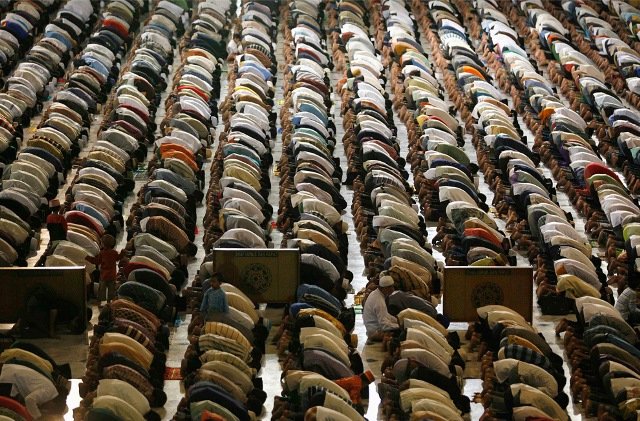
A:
(626, 305)
(400, 300)
(35, 387)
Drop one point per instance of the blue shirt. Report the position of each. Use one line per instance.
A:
(214, 301)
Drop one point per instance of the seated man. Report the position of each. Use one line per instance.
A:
(377, 319)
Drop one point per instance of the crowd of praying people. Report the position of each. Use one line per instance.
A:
(459, 76)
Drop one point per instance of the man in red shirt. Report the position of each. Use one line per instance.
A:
(56, 223)
(106, 261)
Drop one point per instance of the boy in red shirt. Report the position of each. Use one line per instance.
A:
(107, 260)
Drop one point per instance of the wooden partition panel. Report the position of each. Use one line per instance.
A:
(16, 284)
(265, 275)
(466, 288)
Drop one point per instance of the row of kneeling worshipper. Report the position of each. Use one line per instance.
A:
(509, 166)
(611, 209)
(161, 227)
(311, 205)
(93, 203)
(237, 210)
(22, 22)
(584, 76)
(28, 81)
(592, 32)
(92, 206)
(323, 374)
(124, 377)
(422, 371)
(443, 174)
(526, 196)
(33, 177)
(391, 234)
(623, 267)
(522, 377)
(589, 26)
(226, 334)
(33, 385)
(564, 143)
(552, 45)
(602, 350)
(615, 57)
(602, 38)
(562, 256)
(227, 339)
(596, 190)
(408, 266)
(623, 18)
(564, 261)
(125, 368)
(481, 242)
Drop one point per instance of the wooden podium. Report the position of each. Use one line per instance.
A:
(466, 288)
(265, 275)
(17, 283)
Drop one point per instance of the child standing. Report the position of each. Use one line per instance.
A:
(106, 260)
(56, 223)
(215, 299)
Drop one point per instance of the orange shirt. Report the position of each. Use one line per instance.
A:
(106, 260)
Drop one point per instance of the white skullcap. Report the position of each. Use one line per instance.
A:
(386, 281)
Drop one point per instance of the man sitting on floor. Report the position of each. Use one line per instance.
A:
(377, 319)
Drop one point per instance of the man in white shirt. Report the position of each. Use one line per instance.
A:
(377, 319)
(32, 386)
